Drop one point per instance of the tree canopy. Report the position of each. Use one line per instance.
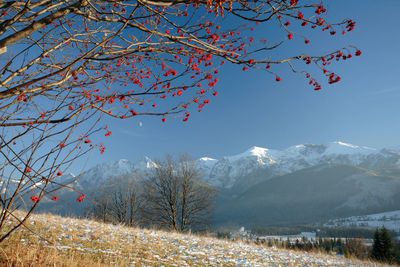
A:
(65, 64)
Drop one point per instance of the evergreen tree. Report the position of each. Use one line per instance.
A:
(396, 252)
(377, 250)
(387, 245)
(382, 246)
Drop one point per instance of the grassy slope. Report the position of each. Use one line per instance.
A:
(79, 242)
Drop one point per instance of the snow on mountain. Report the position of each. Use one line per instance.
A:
(225, 171)
(263, 156)
(235, 175)
(355, 154)
(206, 164)
(252, 158)
(117, 168)
(104, 171)
(145, 164)
(229, 170)
(347, 149)
(207, 160)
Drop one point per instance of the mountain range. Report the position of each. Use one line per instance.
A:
(301, 184)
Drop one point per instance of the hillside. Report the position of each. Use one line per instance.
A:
(86, 242)
(313, 194)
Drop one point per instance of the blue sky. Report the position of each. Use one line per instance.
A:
(252, 109)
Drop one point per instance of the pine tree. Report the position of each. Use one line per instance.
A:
(387, 245)
(377, 250)
(382, 246)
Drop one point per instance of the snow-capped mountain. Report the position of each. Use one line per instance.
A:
(89, 182)
(229, 170)
(258, 164)
(301, 183)
(101, 172)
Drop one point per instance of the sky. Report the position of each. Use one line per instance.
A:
(252, 109)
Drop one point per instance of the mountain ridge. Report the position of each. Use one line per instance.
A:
(366, 179)
(233, 172)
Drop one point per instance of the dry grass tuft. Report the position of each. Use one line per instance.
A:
(15, 253)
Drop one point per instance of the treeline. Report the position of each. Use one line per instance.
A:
(385, 248)
(281, 230)
(349, 232)
(170, 195)
(338, 232)
(349, 247)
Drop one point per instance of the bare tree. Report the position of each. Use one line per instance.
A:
(66, 63)
(175, 197)
(100, 204)
(126, 201)
(117, 201)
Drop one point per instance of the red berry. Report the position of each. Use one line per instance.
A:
(35, 198)
(81, 198)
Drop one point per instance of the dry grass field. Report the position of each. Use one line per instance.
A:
(64, 241)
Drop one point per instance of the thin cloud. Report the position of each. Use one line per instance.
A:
(392, 91)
